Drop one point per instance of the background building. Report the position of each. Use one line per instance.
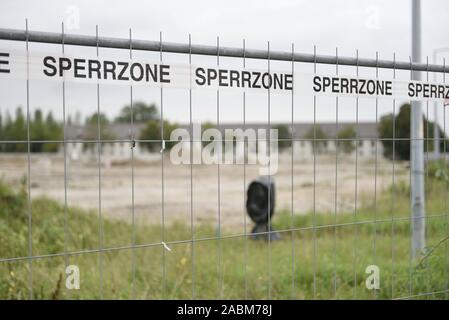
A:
(364, 133)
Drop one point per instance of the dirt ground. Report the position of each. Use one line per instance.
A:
(212, 195)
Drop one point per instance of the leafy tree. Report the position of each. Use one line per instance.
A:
(1, 124)
(16, 130)
(152, 131)
(47, 130)
(402, 134)
(6, 129)
(141, 113)
(2, 133)
(37, 131)
(347, 135)
(19, 130)
(52, 131)
(315, 132)
(284, 136)
(91, 131)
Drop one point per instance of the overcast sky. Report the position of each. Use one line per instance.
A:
(368, 26)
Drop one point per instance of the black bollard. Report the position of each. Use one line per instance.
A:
(260, 204)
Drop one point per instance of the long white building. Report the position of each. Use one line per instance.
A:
(120, 135)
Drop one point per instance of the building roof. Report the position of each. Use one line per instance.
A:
(364, 130)
(122, 131)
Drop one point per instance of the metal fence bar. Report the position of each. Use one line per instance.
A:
(184, 241)
(195, 140)
(147, 45)
(418, 200)
(422, 295)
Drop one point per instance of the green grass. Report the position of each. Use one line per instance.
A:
(327, 264)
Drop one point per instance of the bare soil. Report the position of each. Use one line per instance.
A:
(218, 192)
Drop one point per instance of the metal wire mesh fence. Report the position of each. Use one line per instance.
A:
(162, 229)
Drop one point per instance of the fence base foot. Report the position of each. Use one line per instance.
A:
(264, 232)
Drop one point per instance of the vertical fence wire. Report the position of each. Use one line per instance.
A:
(244, 181)
(219, 249)
(29, 207)
(446, 229)
(354, 253)
(162, 151)
(410, 265)
(427, 150)
(292, 224)
(393, 189)
(192, 229)
(133, 145)
(376, 168)
(336, 181)
(314, 183)
(99, 149)
(269, 175)
(66, 257)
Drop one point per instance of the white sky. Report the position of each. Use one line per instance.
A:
(368, 26)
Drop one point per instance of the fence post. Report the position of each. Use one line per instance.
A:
(417, 144)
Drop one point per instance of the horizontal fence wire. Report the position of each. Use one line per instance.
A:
(226, 236)
(131, 141)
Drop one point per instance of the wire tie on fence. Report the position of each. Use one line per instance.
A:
(163, 146)
(165, 246)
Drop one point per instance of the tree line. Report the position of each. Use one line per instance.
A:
(44, 128)
(401, 134)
